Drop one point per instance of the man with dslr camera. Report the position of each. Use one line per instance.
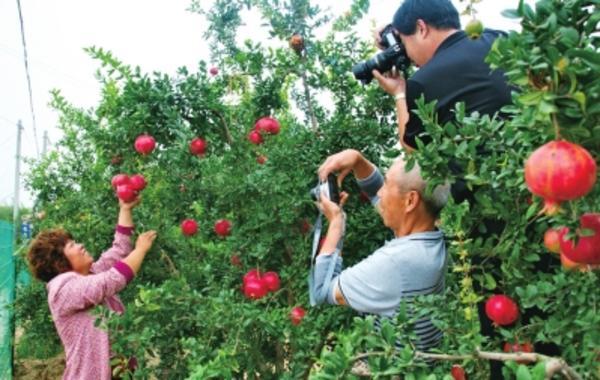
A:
(451, 66)
(412, 264)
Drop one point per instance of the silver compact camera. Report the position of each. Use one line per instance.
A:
(329, 188)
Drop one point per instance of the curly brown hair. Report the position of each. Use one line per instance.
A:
(46, 254)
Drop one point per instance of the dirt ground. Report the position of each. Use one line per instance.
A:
(36, 369)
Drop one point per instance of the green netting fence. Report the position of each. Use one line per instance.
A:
(7, 296)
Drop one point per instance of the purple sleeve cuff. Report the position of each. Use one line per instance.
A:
(125, 230)
(125, 270)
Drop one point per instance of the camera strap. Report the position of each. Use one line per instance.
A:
(312, 292)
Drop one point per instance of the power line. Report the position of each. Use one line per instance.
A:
(37, 148)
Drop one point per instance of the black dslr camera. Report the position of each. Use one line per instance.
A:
(328, 187)
(394, 55)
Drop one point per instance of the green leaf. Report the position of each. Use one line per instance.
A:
(569, 36)
(490, 282)
(581, 99)
(523, 373)
(511, 13)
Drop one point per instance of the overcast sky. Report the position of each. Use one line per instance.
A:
(157, 35)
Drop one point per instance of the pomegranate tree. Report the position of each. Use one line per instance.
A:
(560, 171)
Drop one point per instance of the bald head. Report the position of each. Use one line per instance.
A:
(412, 180)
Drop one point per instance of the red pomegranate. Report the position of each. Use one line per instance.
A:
(297, 315)
(137, 182)
(118, 180)
(297, 43)
(189, 227)
(255, 137)
(255, 289)
(145, 144)
(235, 260)
(271, 280)
(261, 159)
(501, 309)
(198, 146)
(587, 249)
(560, 171)
(213, 71)
(552, 240)
(458, 372)
(517, 347)
(268, 125)
(126, 193)
(223, 227)
(252, 274)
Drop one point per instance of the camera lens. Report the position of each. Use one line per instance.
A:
(363, 71)
(314, 193)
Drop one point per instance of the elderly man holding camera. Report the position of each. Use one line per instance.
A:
(412, 264)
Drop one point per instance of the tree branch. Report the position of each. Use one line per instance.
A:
(227, 133)
(553, 365)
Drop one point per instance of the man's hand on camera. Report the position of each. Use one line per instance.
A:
(392, 82)
(331, 210)
(342, 162)
(377, 37)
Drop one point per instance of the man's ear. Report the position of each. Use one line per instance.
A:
(413, 199)
(422, 29)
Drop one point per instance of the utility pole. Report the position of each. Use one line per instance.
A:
(16, 223)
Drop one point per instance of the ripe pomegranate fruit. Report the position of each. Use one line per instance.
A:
(189, 227)
(305, 226)
(255, 137)
(252, 274)
(198, 146)
(271, 281)
(297, 43)
(560, 171)
(458, 372)
(235, 260)
(118, 180)
(255, 289)
(223, 227)
(501, 309)
(587, 249)
(517, 347)
(116, 160)
(552, 240)
(137, 182)
(261, 159)
(145, 144)
(213, 71)
(126, 193)
(297, 315)
(268, 125)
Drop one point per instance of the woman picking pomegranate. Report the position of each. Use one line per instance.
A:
(76, 284)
